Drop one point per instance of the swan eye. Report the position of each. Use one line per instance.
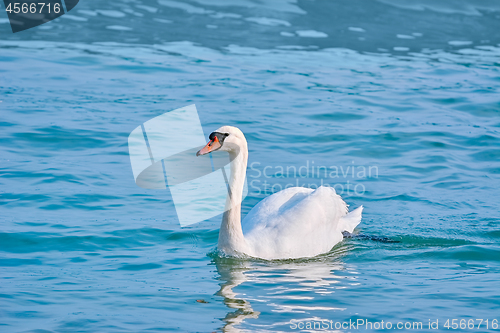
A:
(219, 136)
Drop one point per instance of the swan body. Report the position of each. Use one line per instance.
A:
(294, 223)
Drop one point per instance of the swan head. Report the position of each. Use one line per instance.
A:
(226, 138)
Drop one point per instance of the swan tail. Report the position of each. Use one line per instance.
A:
(351, 220)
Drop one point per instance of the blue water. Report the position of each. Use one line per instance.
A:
(409, 91)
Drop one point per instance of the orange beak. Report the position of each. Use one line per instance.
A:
(210, 147)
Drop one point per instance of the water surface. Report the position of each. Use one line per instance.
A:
(409, 91)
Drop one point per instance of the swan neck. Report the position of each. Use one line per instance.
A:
(231, 234)
(237, 179)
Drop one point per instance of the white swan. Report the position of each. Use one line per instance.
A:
(294, 223)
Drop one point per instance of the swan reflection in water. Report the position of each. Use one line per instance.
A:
(286, 286)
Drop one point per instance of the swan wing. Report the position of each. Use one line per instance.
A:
(297, 222)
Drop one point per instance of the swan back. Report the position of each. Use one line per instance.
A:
(294, 223)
